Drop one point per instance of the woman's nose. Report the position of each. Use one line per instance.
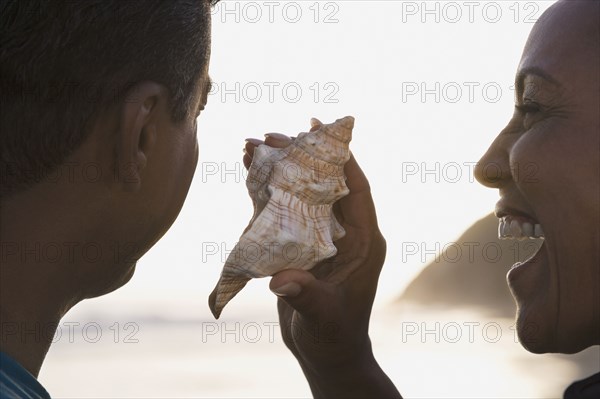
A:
(493, 169)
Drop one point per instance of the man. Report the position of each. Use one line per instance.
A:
(99, 101)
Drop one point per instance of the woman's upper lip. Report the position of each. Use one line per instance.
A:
(503, 209)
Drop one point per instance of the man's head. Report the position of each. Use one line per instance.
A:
(98, 106)
(65, 62)
(545, 164)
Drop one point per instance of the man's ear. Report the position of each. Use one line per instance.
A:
(137, 130)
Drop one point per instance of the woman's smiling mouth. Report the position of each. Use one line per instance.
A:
(516, 224)
(518, 227)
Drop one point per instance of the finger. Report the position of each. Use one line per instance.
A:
(249, 148)
(277, 140)
(254, 141)
(247, 161)
(286, 313)
(356, 179)
(310, 297)
(361, 255)
(251, 144)
(357, 208)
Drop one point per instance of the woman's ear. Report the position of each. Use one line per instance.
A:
(137, 131)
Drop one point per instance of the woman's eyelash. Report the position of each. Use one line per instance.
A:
(528, 108)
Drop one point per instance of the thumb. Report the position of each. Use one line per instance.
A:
(303, 292)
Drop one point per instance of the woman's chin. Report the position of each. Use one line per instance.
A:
(531, 287)
(534, 336)
(534, 286)
(546, 341)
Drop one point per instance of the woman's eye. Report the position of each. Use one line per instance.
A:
(528, 111)
(528, 108)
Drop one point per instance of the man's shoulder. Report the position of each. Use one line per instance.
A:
(16, 382)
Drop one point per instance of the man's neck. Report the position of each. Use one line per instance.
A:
(26, 337)
(35, 286)
(60, 243)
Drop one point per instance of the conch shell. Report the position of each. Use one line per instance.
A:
(293, 190)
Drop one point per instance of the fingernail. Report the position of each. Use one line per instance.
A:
(256, 142)
(289, 289)
(277, 136)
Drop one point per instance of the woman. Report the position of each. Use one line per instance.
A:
(555, 128)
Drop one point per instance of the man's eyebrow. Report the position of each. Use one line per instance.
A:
(536, 71)
(205, 92)
(209, 84)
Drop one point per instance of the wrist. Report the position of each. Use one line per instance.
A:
(359, 378)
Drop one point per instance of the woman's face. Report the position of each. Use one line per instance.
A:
(546, 165)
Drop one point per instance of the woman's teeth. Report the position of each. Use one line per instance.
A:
(518, 228)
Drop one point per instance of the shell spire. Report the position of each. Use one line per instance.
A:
(293, 190)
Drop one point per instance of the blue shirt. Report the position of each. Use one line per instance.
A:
(16, 382)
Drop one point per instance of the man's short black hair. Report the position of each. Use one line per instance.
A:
(63, 61)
